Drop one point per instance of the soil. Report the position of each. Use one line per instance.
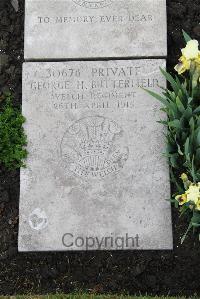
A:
(154, 272)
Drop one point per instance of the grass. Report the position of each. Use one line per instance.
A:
(92, 296)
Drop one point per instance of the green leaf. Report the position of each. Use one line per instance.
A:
(157, 96)
(195, 224)
(179, 150)
(170, 95)
(197, 156)
(188, 113)
(193, 174)
(183, 88)
(183, 210)
(163, 122)
(171, 80)
(175, 124)
(197, 110)
(196, 218)
(180, 105)
(198, 137)
(186, 147)
(186, 36)
(190, 99)
(174, 160)
(192, 125)
(187, 231)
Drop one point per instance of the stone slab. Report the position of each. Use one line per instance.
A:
(69, 29)
(95, 167)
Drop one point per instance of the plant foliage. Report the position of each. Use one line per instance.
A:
(181, 103)
(12, 137)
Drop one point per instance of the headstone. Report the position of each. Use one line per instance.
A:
(95, 176)
(66, 29)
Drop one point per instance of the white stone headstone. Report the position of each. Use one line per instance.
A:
(95, 176)
(64, 29)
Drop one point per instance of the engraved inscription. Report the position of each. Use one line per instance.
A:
(93, 147)
(93, 4)
(72, 19)
(104, 88)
